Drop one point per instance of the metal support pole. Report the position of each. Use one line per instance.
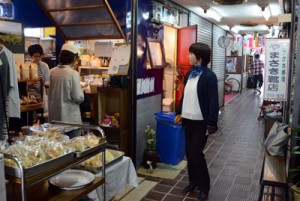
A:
(134, 30)
(287, 105)
(296, 98)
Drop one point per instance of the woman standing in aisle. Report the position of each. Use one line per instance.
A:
(198, 111)
(65, 92)
(35, 52)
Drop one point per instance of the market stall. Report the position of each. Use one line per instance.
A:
(33, 173)
(53, 179)
(33, 159)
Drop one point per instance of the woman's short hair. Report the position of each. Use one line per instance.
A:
(67, 57)
(201, 51)
(257, 56)
(35, 48)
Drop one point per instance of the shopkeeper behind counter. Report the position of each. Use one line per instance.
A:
(65, 93)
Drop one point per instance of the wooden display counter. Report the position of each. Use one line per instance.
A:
(31, 107)
(112, 100)
(32, 183)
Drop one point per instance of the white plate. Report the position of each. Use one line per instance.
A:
(72, 179)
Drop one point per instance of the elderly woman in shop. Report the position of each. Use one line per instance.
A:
(34, 88)
(65, 92)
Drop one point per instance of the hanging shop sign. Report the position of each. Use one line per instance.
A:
(276, 69)
(165, 13)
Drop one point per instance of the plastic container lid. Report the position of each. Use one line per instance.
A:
(166, 116)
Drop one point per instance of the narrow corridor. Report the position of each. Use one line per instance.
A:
(234, 158)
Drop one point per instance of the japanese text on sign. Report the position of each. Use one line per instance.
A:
(276, 69)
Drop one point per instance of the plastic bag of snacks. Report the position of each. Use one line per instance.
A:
(34, 71)
(25, 71)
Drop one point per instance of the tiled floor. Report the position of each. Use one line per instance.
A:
(234, 158)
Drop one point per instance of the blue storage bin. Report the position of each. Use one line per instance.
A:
(170, 139)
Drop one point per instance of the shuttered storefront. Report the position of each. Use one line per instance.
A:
(218, 61)
(209, 34)
(204, 30)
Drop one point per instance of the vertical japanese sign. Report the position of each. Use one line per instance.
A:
(276, 69)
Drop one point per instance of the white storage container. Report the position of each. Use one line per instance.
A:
(167, 105)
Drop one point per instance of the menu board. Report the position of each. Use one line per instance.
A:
(103, 49)
(119, 62)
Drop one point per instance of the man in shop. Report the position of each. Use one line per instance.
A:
(65, 93)
(257, 69)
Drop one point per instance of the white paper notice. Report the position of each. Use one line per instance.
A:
(145, 85)
(103, 49)
(151, 84)
(139, 86)
(119, 60)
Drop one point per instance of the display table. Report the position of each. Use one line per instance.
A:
(117, 176)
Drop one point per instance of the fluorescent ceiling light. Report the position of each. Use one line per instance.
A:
(267, 13)
(225, 27)
(235, 29)
(33, 32)
(214, 14)
(229, 2)
(145, 15)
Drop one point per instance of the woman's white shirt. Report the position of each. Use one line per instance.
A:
(191, 106)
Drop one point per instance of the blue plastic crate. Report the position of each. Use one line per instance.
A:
(170, 143)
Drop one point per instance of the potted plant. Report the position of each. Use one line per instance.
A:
(150, 156)
(295, 189)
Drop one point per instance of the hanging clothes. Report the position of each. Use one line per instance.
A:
(4, 87)
(9, 89)
(13, 101)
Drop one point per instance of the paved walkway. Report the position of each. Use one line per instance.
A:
(234, 159)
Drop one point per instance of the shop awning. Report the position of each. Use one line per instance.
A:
(83, 19)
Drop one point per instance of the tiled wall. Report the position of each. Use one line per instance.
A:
(146, 108)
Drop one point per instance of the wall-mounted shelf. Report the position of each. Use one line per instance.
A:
(97, 68)
(90, 69)
(111, 100)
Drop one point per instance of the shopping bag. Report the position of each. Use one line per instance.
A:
(277, 139)
(250, 82)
